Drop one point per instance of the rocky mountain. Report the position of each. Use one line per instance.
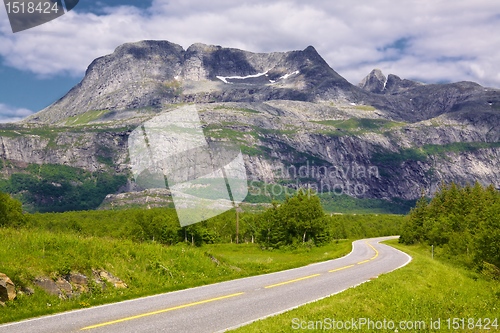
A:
(376, 82)
(151, 74)
(297, 121)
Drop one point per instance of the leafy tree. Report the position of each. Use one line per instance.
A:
(11, 212)
(297, 220)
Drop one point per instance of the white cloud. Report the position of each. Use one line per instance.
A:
(446, 40)
(9, 114)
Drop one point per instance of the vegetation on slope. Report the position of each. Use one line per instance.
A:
(422, 153)
(356, 125)
(58, 188)
(283, 225)
(151, 253)
(463, 223)
(332, 202)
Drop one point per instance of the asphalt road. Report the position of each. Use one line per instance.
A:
(221, 306)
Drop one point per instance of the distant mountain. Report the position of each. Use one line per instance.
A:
(152, 74)
(156, 73)
(284, 110)
(376, 82)
(414, 101)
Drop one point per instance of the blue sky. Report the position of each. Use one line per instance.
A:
(430, 41)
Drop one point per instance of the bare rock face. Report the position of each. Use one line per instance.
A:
(49, 286)
(7, 288)
(151, 74)
(374, 82)
(133, 76)
(396, 85)
(377, 83)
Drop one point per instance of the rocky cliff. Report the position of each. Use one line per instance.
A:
(289, 112)
(152, 74)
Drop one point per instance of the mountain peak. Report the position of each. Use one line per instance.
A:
(150, 74)
(374, 82)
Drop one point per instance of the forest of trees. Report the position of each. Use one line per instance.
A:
(297, 221)
(463, 223)
(59, 188)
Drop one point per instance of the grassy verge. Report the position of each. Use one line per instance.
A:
(423, 291)
(147, 268)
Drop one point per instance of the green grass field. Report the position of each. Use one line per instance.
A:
(424, 291)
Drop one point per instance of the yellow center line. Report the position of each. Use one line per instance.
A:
(160, 311)
(375, 256)
(291, 281)
(364, 261)
(374, 249)
(222, 297)
(341, 268)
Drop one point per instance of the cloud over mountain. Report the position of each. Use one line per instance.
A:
(440, 41)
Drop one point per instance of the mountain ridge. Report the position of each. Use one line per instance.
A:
(282, 109)
(153, 73)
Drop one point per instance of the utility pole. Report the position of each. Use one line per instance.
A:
(237, 225)
(238, 209)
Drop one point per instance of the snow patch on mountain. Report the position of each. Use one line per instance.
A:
(225, 78)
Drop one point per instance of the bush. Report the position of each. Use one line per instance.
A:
(11, 212)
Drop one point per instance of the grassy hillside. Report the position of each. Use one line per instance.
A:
(161, 225)
(146, 267)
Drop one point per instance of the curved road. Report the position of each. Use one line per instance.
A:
(222, 306)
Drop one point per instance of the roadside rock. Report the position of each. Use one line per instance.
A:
(7, 288)
(67, 287)
(64, 287)
(79, 281)
(108, 277)
(71, 285)
(48, 285)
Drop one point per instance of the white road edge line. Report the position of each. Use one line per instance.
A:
(318, 299)
(182, 290)
(170, 292)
